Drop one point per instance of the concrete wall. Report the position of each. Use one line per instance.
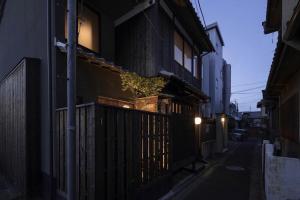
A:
(282, 176)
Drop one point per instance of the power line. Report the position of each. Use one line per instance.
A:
(238, 93)
(248, 89)
(246, 84)
(202, 13)
(247, 93)
(247, 99)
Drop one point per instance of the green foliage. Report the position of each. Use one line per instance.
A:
(142, 86)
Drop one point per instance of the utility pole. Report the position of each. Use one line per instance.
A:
(71, 98)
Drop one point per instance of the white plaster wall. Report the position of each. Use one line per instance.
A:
(205, 74)
(213, 64)
(282, 176)
(205, 82)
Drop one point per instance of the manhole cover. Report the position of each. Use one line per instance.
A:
(235, 168)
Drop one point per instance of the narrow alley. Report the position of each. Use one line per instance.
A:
(149, 100)
(236, 176)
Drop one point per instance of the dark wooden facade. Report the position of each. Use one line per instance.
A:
(35, 28)
(19, 126)
(145, 45)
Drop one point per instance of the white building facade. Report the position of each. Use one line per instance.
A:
(216, 80)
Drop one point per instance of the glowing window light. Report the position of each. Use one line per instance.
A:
(88, 29)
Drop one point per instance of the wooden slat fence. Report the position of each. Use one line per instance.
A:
(19, 125)
(119, 151)
(184, 140)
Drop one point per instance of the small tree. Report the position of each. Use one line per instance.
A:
(142, 86)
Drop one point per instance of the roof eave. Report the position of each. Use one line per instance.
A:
(273, 16)
(216, 26)
(187, 15)
(196, 92)
(293, 27)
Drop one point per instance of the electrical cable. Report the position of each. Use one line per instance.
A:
(202, 13)
(246, 84)
(248, 89)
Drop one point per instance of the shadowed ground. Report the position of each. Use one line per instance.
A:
(236, 178)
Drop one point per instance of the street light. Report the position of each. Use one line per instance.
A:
(198, 120)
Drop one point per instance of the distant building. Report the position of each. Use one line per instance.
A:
(233, 110)
(233, 116)
(253, 119)
(216, 82)
(263, 107)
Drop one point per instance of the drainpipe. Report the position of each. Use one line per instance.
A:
(51, 93)
(71, 98)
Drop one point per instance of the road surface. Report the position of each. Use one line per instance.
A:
(233, 178)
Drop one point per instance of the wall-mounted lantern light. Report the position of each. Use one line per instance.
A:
(198, 120)
(222, 119)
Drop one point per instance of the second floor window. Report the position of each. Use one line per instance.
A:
(178, 48)
(185, 55)
(196, 69)
(88, 29)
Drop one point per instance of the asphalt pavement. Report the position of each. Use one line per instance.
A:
(232, 178)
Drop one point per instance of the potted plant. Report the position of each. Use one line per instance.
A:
(145, 89)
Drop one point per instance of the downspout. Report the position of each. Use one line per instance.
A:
(71, 98)
(51, 92)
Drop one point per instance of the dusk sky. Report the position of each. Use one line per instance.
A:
(247, 49)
